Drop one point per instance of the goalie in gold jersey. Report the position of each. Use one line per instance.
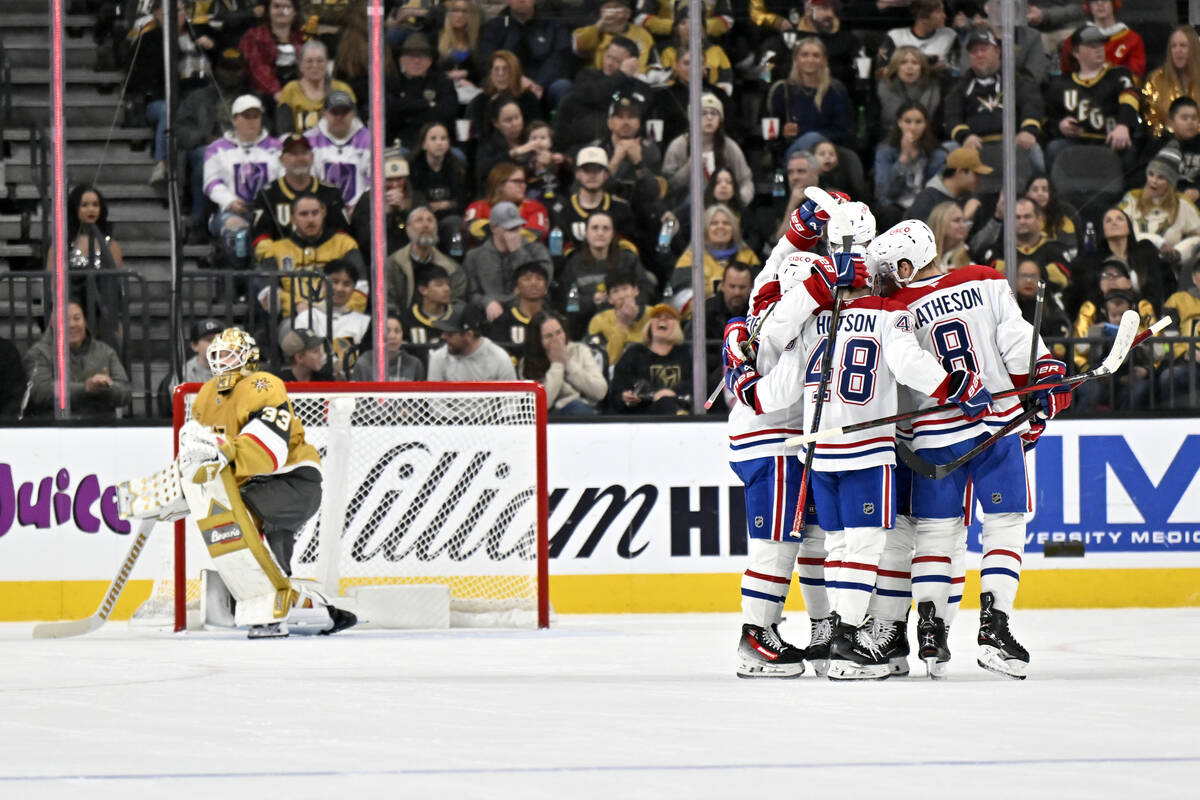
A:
(243, 418)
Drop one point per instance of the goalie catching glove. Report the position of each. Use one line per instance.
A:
(1053, 399)
(199, 446)
(964, 389)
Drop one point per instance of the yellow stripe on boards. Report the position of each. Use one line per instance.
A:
(22, 601)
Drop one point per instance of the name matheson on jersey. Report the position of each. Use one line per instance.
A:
(947, 303)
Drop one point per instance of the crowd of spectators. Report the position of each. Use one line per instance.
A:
(537, 181)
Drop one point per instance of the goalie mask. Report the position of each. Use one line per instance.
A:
(911, 241)
(232, 354)
(861, 231)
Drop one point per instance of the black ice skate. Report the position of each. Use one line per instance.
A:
(854, 655)
(932, 645)
(892, 639)
(999, 651)
(817, 652)
(342, 619)
(270, 630)
(764, 654)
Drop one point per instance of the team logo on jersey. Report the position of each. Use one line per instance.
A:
(904, 323)
(790, 345)
(758, 522)
(996, 498)
(868, 508)
(262, 384)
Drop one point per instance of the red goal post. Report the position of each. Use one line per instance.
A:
(436, 483)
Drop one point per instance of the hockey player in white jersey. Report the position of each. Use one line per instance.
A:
(853, 481)
(771, 477)
(969, 319)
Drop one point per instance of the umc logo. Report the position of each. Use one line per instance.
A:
(1101, 460)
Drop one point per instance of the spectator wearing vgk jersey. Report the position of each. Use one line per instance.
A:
(273, 205)
(1096, 104)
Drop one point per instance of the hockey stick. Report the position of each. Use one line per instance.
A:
(1125, 340)
(833, 209)
(78, 627)
(758, 323)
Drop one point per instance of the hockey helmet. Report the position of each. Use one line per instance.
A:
(793, 270)
(232, 354)
(911, 241)
(862, 227)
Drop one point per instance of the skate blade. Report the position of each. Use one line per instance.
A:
(935, 669)
(785, 671)
(820, 667)
(847, 671)
(993, 660)
(898, 667)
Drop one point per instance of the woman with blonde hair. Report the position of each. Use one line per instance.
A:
(907, 79)
(1164, 217)
(457, 44)
(504, 77)
(812, 106)
(949, 226)
(722, 244)
(1179, 76)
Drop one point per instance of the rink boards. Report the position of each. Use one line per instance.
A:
(647, 517)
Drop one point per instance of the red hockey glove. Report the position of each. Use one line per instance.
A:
(1036, 428)
(768, 294)
(733, 354)
(740, 382)
(1054, 399)
(964, 389)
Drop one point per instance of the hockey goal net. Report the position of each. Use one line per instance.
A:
(425, 484)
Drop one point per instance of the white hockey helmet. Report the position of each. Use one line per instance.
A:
(862, 227)
(793, 270)
(231, 354)
(911, 241)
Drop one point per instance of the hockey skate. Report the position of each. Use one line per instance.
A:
(269, 630)
(933, 647)
(764, 654)
(854, 655)
(999, 651)
(817, 652)
(892, 639)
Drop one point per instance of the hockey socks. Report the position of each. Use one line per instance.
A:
(1003, 545)
(765, 582)
(810, 571)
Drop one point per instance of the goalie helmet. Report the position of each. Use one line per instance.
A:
(232, 354)
(911, 241)
(861, 231)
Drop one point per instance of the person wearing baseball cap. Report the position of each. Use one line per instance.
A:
(342, 147)
(468, 355)
(419, 95)
(654, 376)
(195, 369)
(306, 97)
(273, 205)
(591, 195)
(958, 182)
(531, 283)
(304, 357)
(494, 264)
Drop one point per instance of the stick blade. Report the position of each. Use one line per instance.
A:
(1122, 342)
(67, 629)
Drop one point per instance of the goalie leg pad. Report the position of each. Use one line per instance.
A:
(255, 581)
(766, 581)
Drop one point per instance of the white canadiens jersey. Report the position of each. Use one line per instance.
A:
(969, 319)
(754, 435)
(875, 350)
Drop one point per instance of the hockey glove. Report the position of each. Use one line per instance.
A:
(734, 352)
(767, 295)
(806, 225)
(198, 446)
(740, 382)
(1029, 438)
(1053, 399)
(964, 389)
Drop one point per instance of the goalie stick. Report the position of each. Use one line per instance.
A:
(833, 209)
(78, 627)
(1125, 340)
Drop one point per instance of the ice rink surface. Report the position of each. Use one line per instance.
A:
(596, 707)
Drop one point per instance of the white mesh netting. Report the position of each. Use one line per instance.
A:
(419, 487)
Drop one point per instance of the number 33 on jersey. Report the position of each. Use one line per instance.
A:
(256, 417)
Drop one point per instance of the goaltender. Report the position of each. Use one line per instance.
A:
(244, 451)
